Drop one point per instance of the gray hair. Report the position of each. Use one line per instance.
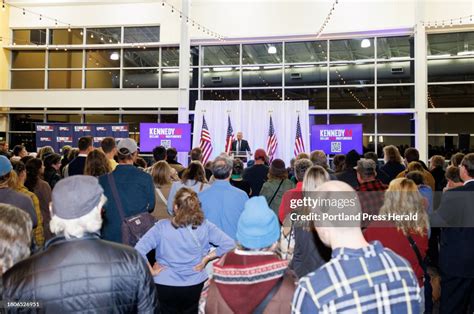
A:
(15, 236)
(301, 165)
(76, 228)
(222, 167)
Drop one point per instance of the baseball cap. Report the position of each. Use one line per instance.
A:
(127, 146)
(5, 165)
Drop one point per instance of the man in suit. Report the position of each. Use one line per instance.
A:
(76, 166)
(240, 146)
(456, 258)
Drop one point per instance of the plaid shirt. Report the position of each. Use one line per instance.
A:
(371, 197)
(372, 279)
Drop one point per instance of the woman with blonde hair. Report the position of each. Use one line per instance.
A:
(162, 175)
(409, 230)
(183, 249)
(97, 164)
(393, 161)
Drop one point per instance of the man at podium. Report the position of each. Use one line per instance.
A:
(240, 147)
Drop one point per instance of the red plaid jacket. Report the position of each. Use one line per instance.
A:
(371, 197)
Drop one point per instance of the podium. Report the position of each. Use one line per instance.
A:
(241, 155)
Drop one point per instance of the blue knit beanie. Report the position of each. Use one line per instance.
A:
(258, 225)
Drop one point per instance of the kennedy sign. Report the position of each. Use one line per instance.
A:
(337, 138)
(177, 135)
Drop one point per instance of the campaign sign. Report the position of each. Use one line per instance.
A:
(177, 135)
(337, 138)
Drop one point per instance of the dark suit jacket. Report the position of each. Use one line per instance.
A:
(76, 166)
(244, 146)
(456, 215)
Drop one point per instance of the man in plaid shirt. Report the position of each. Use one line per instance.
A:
(360, 277)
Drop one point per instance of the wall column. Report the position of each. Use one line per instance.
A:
(184, 56)
(4, 63)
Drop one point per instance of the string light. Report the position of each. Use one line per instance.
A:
(448, 22)
(327, 19)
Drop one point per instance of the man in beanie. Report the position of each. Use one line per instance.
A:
(256, 175)
(276, 185)
(252, 278)
(127, 185)
(349, 174)
(77, 271)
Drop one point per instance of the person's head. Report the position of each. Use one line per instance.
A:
(373, 156)
(5, 171)
(403, 198)
(20, 170)
(452, 174)
(45, 151)
(466, 170)
(240, 136)
(194, 171)
(96, 164)
(411, 154)
(392, 154)
(161, 173)
(314, 177)
(351, 159)
(127, 151)
(319, 158)
(437, 161)
(302, 156)
(52, 161)
(415, 166)
(4, 146)
(159, 153)
(109, 147)
(34, 169)
(222, 167)
(140, 162)
(20, 151)
(277, 170)
(366, 170)
(76, 206)
(15, 236)
(416, 176)
(65, 151)
(260, 156)
(301, 165)
(171, 154)
(456, 159)
(187, 209)
(238, 167)
(258, 228)
(292, 163)
(196, 154)
(339, 162)
(73, 153)
(26, 159)
(85, 145)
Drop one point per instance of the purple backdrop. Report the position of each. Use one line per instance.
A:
(177, 135)
(337, 138)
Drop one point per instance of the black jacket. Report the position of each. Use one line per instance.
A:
(349, 176)
(392, 169)
(440, 179)
(83, 275)
(51, 176)
(76, 166)
(244, 146)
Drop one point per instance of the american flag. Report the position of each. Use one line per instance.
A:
(272, 141)
(229, 137)
(205, 144)
(299, 144)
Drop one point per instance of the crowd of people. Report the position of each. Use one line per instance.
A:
(99, 230)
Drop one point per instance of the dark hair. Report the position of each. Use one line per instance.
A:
(452, 173)
(51, 159)
(416, 176)
(412, 154)
(96, 164)
(18, 166)
(159, 153)
(351, 159)
(171, 154)
(195, 171)
(33, 168)
(84, 143)
(196, 154)
(339, 162)
(456, 159)
(371, 155)
(140, 162)
(468, 164)
(26, 159)
(188, 212)
(238, 166)
(108, 144)
(17, 149)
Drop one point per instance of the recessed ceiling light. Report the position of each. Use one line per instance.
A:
(365, 43)
(114, 56)
(272, 50)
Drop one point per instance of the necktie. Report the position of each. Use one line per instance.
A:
(238, 147)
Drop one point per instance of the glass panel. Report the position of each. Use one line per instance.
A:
(261, 94)
(351, 98)
(394, 47)
(169, 78)
(170, 57)
(395, 72)
(102, 36)
(140, 78)
(193, 97)
(66, 37)
(261, 76)
(29, 36)
(396, 97)
(142, 34)
(447, 145)
(395, 123)
(194, 56)
(352, 49)
(27, 79)
(306, 51)
(141, 57)
(402, 142)
(26, 139)
(451, 44)
(65, 79)
(449, 96)
(134, 120)
(262, 53)
(65, 59)
(24, 122)
(28, 59)
(101, 118)
(317, 97)
(103, 58)
(168, 118)
(304, 75)
(221, 55)
(367, 121)
(216, 94)
(103, 79)
(220, 77)
(440, 123)
(351, 74)
(318, 119)
(64, 118)
(446, 70)
(194, 78)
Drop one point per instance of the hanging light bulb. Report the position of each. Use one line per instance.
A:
(365, 43)
(69, 28)
(102, 38)
(82, 33)
(92, 35)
